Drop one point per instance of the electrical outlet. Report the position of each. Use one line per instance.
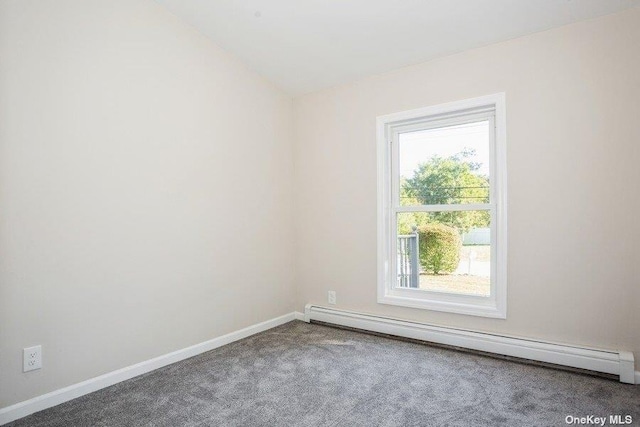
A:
(32, 358)
(332, 297)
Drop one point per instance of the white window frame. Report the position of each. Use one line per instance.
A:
(388, 128)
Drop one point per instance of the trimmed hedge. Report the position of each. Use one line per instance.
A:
(439, 248)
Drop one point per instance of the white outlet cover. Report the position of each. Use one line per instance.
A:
(32, 358)
(331, 297)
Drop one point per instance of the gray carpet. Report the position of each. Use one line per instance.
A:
(311, 375)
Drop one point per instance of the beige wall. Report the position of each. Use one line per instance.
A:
(145, 190)
(573, 135)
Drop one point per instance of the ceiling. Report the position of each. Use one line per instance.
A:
(306, 45)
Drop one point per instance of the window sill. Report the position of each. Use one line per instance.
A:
(449, 303)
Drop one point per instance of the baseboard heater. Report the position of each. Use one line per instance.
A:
(619, 363)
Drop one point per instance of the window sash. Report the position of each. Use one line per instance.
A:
(393, 259)
(444, 208)
(427, 124)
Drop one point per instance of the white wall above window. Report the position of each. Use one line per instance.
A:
(488, 157)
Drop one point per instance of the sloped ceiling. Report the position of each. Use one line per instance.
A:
(306, 45)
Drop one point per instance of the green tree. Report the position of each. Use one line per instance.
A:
(449, 180)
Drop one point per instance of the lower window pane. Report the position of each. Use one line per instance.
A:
(445, 252)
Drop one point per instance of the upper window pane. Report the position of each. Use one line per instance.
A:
(446, 165)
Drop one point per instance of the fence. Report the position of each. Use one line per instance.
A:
(477, 236)
(408, 262)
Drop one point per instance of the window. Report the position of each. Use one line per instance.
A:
(442, 208)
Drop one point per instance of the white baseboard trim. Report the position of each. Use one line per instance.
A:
(299, 316)
(608, 361)
(39, 403)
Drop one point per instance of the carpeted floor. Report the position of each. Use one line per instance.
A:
(311, 375)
